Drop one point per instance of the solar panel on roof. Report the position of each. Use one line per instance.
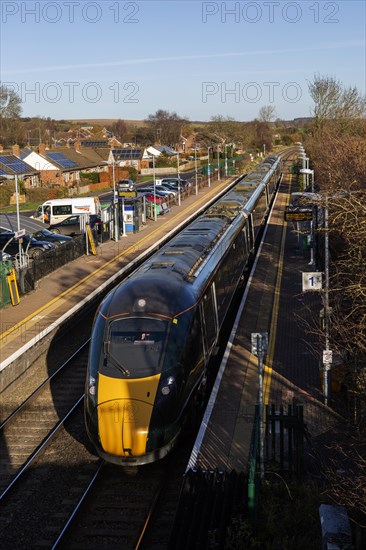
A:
(61, 160)
(166, 149)
(124, 154)
(2, 172)
(100, 143)
(15, 164)
(25, 152)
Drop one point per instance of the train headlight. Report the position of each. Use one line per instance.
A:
(92, 386)
(166, 389)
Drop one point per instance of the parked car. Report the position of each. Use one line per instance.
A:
(159, 191)
(126, 184)
(32, 246)
(171, 188)
(71, 225)
(176, 182)
(150, 197)
(5, 257)
(55, 238)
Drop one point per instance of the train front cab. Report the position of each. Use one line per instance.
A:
(138, 387)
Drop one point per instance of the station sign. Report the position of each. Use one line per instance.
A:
(19, 234)
(312, 281)
(298, 215)
(327, 357)
(127, 193)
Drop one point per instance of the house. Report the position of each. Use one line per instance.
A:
(11, 165)
(61, 166)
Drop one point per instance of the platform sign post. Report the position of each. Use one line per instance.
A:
(259, 341)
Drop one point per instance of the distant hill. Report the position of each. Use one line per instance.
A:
(104, 122)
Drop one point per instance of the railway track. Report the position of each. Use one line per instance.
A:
(128, 507)
(32, 425)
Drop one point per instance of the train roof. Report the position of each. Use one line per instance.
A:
(165, 283)
(172, 279)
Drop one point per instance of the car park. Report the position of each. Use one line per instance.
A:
(71, 226)
(33, 247)
(55, 238)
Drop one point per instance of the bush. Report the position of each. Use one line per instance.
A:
(132, 173)
(89, 177)
(42, 194)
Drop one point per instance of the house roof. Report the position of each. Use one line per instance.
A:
(37, 161)
(68, 159)
(13, 165)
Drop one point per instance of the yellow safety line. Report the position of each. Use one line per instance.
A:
(273, 328)
(95, 272)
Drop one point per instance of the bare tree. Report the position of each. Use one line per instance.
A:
(333, 102)
(119, 129)
(166, 127)
(10, 111)
(267, 113)
(10, 103)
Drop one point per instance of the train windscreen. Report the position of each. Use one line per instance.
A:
(134, 347)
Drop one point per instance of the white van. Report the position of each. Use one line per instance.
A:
(56, 210)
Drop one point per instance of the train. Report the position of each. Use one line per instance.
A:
(155, 332)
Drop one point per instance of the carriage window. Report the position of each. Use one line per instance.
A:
(209, 315)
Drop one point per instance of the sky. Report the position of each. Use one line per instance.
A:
(127, 59)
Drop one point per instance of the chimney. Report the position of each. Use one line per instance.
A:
(16, 150)
(77, 146)
(1, 148)
(42, 149)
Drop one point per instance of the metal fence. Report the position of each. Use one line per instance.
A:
(51, 260)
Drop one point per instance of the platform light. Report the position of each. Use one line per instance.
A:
(208, 167)
(195, 167)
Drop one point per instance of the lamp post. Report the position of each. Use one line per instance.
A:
(178, 168)
(327, 353)
(22, 262)
(218, 163)
(195, 168)
(225, 160)
(264, 150)
(123, 218)
(154, 178)
(115, 204)
(208, 167)
(259, 341)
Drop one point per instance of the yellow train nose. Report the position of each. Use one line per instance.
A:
(124, 412)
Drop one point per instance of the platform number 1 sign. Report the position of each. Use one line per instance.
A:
(311, 281)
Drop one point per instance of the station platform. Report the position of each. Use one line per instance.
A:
(61, 294)
(274, 303)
